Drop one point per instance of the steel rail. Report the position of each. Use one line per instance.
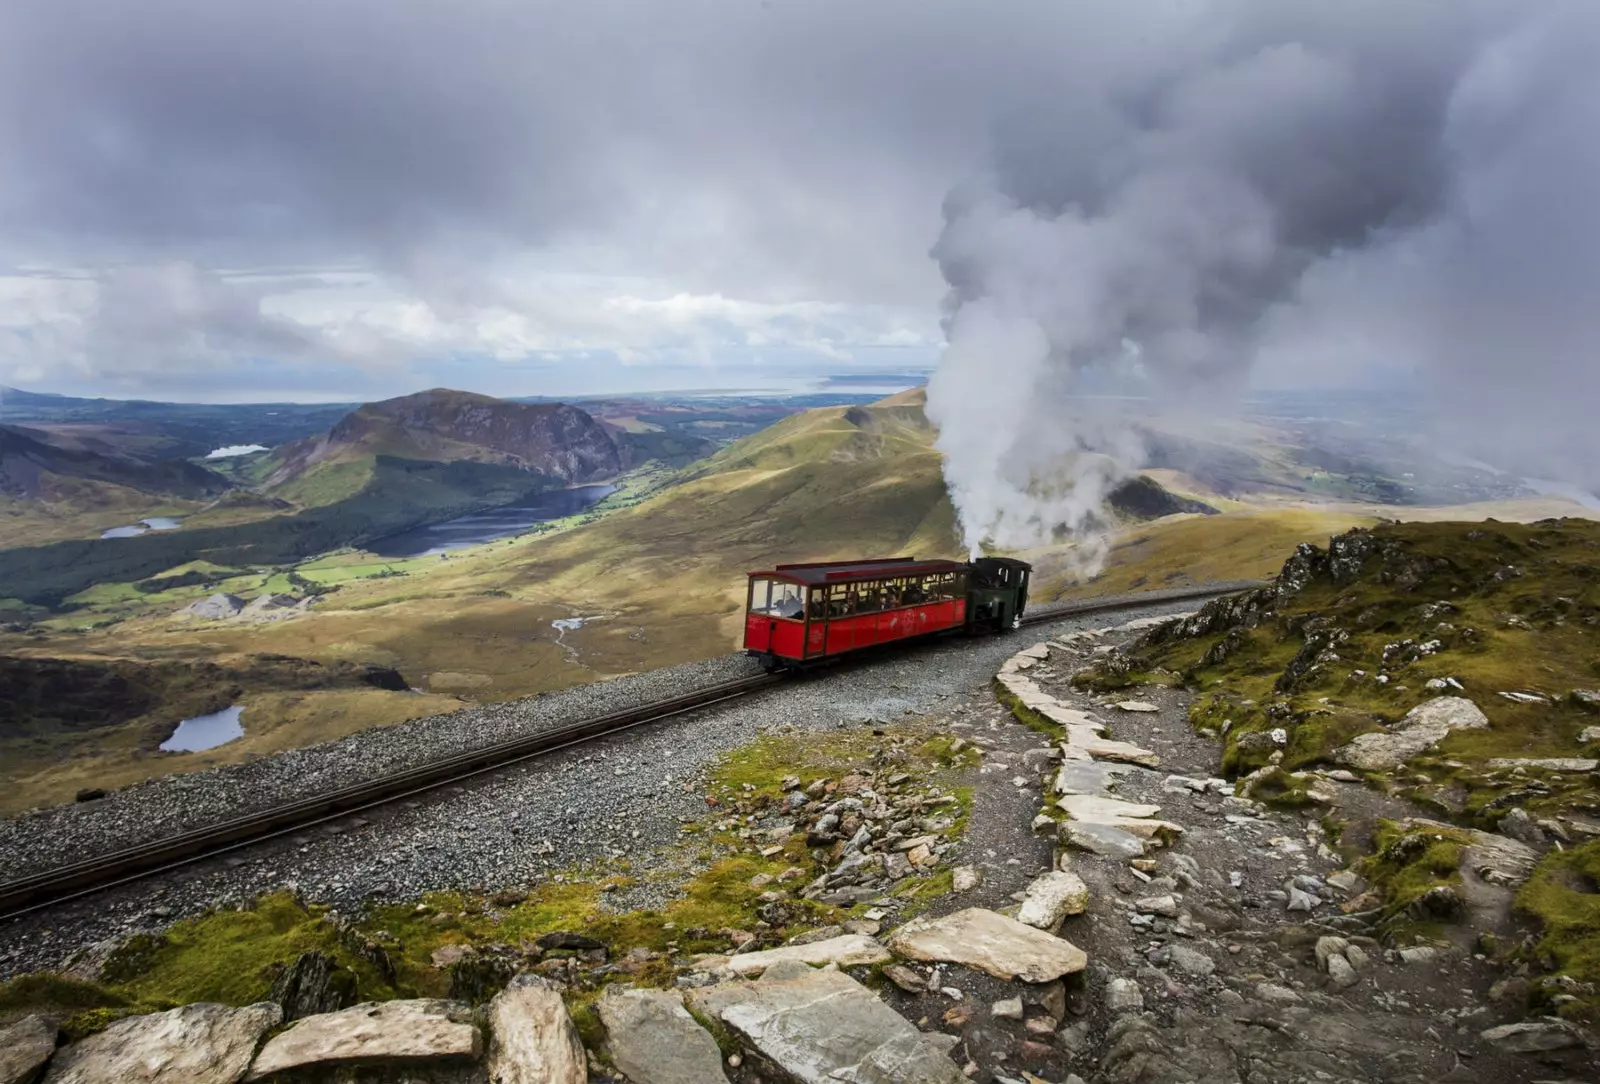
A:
(91, 875)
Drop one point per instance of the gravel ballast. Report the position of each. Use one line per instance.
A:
(627, 795)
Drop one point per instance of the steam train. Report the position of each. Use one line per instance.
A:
(800, 615)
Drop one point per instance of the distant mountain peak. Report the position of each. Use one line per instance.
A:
(444, 425)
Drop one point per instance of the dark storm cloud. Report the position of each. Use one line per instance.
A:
(1184, 189)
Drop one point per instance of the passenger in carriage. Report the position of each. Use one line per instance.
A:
(914, 595)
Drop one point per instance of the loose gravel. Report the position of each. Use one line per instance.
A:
(625, 796)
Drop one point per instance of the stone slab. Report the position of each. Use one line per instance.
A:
(826, 1028)
(406, 1030)
(25, 1045)
(195, 1044)
(1092, 807)
(654, 1040)
(847, 950)
(532, 1039)
(990, 942)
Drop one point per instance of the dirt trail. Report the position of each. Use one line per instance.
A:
(1198, 970)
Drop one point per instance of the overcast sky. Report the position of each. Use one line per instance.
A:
(336, 199)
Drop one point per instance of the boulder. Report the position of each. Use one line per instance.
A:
(195, 1044)
(1533, 1037)
(312, 985)
(373, 1032)
(989, 942)
(654, 1040)
(1051, 898)
(533, 1040)
(848, 950)
(823, 1027)
(1423, 727)
(25, 1045)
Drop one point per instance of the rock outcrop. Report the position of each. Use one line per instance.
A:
(380, 1033)
(822, 1027)
(25, 1045)
(1423, 727)
(196, 1044)
(654, 1040)
(534, 1040)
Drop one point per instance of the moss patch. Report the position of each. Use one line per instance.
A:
(733, 876)
(1564, 895)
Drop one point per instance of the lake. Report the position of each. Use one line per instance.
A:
(154, 523)
(488, 525)
(205, 731)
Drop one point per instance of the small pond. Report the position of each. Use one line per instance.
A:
(205, 731)
(154, 523)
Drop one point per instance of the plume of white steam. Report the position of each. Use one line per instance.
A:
(1308, 182)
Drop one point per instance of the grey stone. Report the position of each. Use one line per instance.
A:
(1423, 727)
(654, 1040)
(533, 1040)
(824, 1027)
(1300, 900)
(1052, 897)
(963, 878)
(1084, 777)
(25, 1045)
(1188, 960)
(847, 950)
(1533, 1036)
(1421, 954)
(1124, 995)
(314, 984)
(1102, 839)
(1329, 947)
(373, 1032)
(989, 942)
(1341, 973)
(1165, 906)
(1280, 995)
(196, 1044)
(1008, 1009)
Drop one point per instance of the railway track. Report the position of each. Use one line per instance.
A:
(101, 872)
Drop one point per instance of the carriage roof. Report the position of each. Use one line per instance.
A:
(826, 572)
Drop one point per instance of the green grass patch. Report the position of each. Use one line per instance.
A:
(1564, 895)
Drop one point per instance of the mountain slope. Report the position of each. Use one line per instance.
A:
(555, 440)
(33, 467)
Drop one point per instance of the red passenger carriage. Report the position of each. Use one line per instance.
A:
(803, 613)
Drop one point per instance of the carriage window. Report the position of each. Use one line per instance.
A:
(778, 598)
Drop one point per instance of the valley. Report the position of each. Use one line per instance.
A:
(340, 553)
